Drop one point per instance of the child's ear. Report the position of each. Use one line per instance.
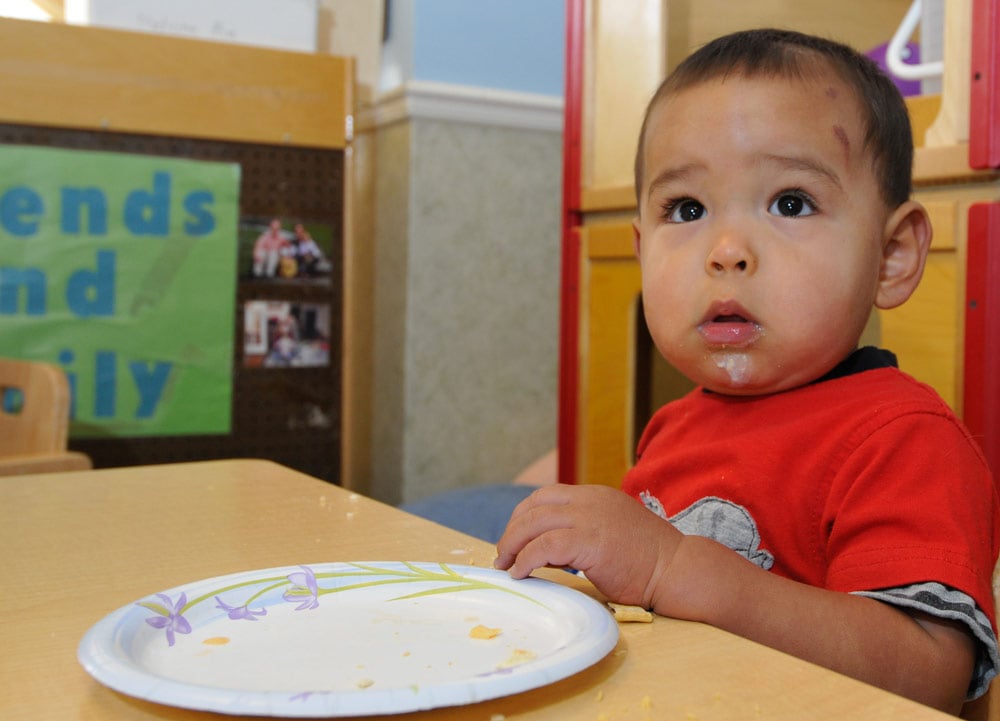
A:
(636, 236)
(905, 242)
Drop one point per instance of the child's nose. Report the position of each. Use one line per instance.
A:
(730, 253)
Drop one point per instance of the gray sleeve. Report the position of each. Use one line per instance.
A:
(936, 599)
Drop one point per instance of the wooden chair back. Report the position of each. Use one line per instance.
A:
(34, 419)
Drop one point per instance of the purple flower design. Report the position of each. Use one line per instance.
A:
(169, 616)
(238, 612)
(304, 590)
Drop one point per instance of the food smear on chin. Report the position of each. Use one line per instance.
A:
(736, 365)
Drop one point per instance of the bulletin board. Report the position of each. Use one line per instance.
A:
(289, 140)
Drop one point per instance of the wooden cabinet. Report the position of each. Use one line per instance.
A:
(616, 56)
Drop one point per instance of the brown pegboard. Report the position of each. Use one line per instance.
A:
(291, 416)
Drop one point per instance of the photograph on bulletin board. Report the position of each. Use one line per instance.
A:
(285, 334)
(282, 249)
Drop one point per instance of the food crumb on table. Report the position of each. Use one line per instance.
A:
(625, 613)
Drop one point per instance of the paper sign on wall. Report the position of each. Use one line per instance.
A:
(121, 269)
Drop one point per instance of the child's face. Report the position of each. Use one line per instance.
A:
(760, 231)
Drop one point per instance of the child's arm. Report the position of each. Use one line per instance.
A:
(633, 556)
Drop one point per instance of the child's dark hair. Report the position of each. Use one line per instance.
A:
(785, 53)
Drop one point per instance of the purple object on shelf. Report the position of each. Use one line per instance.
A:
(906, 87)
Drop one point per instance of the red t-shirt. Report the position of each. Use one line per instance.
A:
(858, 483)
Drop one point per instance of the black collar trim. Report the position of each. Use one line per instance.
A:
(863, 359)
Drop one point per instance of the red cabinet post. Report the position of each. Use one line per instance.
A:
(984, 85)
(981, 400)
(569, 310)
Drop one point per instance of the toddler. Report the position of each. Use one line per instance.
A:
(808, 495)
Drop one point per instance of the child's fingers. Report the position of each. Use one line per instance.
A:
(545, 496)
(525, 527)
(548, 527)
(552, 548)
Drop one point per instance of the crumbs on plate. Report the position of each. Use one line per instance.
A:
(484, 632)
(517, 657)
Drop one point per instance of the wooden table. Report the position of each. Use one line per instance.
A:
(76, 546)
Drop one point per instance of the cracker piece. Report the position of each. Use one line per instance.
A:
(630, 614)
(484, 632)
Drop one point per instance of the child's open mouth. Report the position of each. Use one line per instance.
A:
(729, 327)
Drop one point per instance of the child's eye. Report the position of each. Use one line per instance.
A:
(683, 210)
(792, 204)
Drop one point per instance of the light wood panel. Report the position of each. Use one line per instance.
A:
(99, 79)
(951, 127)
(359, 314)
(608, 353)
(861, 24)
(624, 63)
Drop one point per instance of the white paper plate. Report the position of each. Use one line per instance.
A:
(347, 639)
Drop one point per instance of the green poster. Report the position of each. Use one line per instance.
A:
(121, 269)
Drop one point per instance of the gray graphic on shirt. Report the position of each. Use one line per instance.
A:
(721, 520)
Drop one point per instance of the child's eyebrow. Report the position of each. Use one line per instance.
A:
(672, 175)
(806, 165)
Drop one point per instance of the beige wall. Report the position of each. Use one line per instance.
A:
(466, 306)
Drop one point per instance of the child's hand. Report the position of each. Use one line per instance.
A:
(633, 556)
(621, 546)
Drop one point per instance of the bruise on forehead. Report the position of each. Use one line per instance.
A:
(845, 142)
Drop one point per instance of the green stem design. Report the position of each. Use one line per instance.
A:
(277, 582)
(415, 575)
(456, 583)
